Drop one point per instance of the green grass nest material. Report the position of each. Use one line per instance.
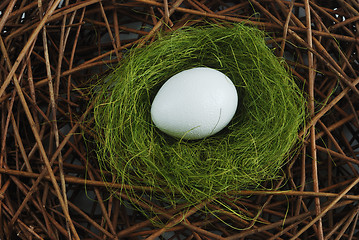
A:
(253, 147)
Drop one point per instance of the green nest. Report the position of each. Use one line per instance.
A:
(250, 150)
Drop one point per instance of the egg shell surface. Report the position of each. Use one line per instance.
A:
(195, 104)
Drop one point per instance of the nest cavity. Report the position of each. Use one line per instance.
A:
(250, 150)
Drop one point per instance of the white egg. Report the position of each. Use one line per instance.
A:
(195, 104)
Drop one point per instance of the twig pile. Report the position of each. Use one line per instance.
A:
(51, 189)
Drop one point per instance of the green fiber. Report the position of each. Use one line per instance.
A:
(253, 147)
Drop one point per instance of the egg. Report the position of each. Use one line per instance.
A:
(194, 104)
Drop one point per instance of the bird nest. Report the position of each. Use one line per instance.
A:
(250, 150)
(51, 183)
